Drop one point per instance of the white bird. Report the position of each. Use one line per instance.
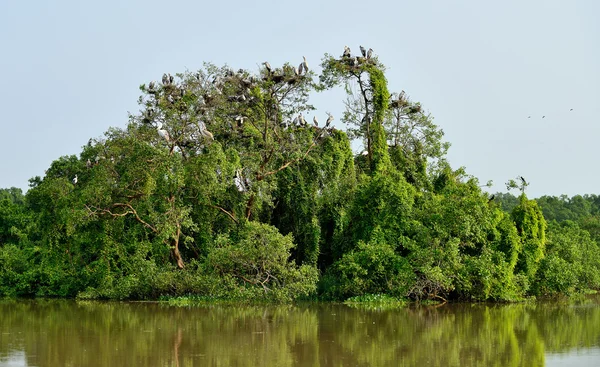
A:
(239, 181)
(305, 64)
(364, 152)
(163, 133)
(300, 68)
(296, 69)
(346, 52)
(369, 53)
(75, 180)
(204, 131)
(329, 120)
(268, 66)
(88, 164)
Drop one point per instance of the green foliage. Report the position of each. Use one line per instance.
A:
(531, 227)
(254, 264)
(373, 267)
(217, 189)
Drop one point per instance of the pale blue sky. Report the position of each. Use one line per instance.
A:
(71, 69)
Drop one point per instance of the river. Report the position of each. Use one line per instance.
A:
(74, 333)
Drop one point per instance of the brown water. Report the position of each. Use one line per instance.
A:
(71, 333)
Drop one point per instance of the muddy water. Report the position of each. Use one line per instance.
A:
(70, 333)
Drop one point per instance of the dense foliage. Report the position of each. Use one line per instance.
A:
(220, 188)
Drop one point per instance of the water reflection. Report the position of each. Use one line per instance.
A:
(60, 333)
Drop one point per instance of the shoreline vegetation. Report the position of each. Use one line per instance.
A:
(219, 189)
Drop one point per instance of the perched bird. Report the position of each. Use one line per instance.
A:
(170, 79)
(522, 180)
(305, 64)
(267, 66)
(75, 180)
(204, 131)
(165, 79)
(329, 120)
(300, 68)
(369, 53)
(363, 51)
(346, 52)
(296, 72)
(492, 198)
(315, 121)
(88, 164)
(302, 120)
(163, 133)
(239, 181)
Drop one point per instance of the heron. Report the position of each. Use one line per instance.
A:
(329, 120)
(163, 133)
(88, 164)
(75, 180)
(369, 53)
(268, 66)
(363, 51)
(305, 64)
(346, 52)
(315, 121)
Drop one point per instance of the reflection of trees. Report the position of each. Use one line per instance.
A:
(59, 333)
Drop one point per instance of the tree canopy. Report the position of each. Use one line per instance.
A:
(223, 187)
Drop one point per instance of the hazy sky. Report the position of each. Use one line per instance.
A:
(71, 69)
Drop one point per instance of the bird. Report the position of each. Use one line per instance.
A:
(239, 181)
(163, 133)
(363, 51)
(204, 131)
(297, 69)
(75, 180)
(165, 79)
(329, 120)
(315, 121)
(492, 198)
(369, 53)
(302, 120)
(268, 66)
(523, 180)
(544, 117)
(88, 164)
(170, 79)
(528, 117)
(571, 109)
(346, 52)
(305, 64)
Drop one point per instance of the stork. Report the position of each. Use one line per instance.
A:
(315, 121)
(305, 64)
(329, 120)
(346, 52)
(369, 53)
(268, 66)
(163, 133)
(75, 180)
(363, 51)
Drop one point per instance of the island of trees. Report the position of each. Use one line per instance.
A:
(228, 185)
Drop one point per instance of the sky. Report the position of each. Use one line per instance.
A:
(72, 69)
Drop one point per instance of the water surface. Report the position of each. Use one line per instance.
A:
(71, 333)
